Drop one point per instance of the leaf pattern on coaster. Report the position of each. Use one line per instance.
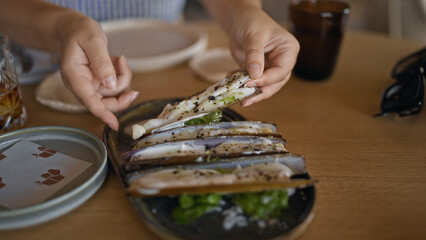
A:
(1, 183)
(52, 176)
(2, 156)
(45, 152)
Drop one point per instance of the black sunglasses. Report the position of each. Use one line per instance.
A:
(406, 96)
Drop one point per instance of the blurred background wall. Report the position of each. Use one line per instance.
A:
(398, 18)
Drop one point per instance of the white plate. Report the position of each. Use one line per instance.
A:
(152, 45)
(53, 94)
(213, 65)
(70, 141)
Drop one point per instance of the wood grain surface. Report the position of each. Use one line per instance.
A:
(371, 171)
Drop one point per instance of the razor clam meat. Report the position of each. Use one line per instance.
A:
(220, 95)
(209, 130)
(264, 172)
(216, 146)
(295, 162)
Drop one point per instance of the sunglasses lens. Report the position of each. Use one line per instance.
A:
(411, 62)
(405, 97)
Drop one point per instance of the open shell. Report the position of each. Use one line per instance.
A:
(239, 128)
(207, 149)
(274, 172)
(220, 95)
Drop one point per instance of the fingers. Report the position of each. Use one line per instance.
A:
(273, 79)
(100, 62)
(79, 83)
(88, 70)
(267, 91)
(269, 77)
(110, 99)
(98, 108)
(254, 53)
(78, 77)
(237, 53)
(282, 59)
(121, 102)
(124, 73)
(230, 73)
(124, 77)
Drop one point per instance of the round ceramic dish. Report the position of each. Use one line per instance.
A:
(213, 65)
(69, 141)
(53, 94)
(152, 45)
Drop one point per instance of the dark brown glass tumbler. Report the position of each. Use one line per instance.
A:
(319, 28)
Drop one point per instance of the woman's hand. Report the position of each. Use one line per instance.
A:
(266, 50)
(262, 47)
(99, 81)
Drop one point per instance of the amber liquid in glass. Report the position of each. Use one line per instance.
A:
(12, 111)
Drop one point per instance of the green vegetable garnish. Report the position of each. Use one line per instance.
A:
(224, 170)
(211, 199)
(186, 201)
(212, 117)
(263, 205)
(192, 207)
(187, 216)
(212, 159)
(209, 157)
(228, 100)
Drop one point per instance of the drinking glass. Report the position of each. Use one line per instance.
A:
(318, 26)
(12, 111)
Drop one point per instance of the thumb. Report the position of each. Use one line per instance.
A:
(255, 57)
(100, 62)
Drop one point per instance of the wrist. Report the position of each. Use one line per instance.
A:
(226, 12)
(242, 13)
(67, 24)
(245, 17)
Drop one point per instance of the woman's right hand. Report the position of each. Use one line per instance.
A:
(99, 81)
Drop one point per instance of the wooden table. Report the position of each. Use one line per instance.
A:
(372, 171)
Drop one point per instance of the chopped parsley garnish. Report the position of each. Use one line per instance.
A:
(192, 207)
(263, 205)
(212, 117)
(228, 100)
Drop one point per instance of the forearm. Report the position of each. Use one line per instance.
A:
(225, 11)
(34, 23)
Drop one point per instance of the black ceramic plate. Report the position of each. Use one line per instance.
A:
(156, 212)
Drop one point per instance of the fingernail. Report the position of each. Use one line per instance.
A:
(246, 104)
(124, 59)
(134, 96)
(251, 84)
(110, 82)
(254, 70)
(113, 126)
